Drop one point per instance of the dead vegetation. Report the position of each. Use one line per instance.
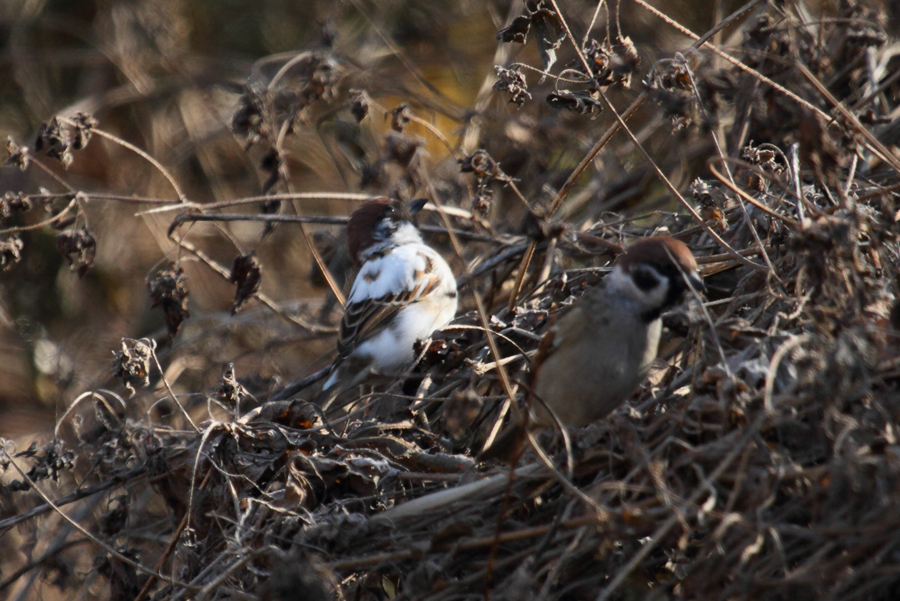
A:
(760, 461)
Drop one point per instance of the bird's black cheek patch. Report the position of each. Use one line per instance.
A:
(645, 279)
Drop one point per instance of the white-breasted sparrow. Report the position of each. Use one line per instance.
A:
(403, 292)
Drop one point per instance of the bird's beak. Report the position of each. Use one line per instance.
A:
(417, 205)
(693, 278)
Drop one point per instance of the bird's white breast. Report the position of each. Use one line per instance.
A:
(405, 268)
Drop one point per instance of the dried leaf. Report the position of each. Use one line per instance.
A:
(513, 82)
(79, 248)
(168, 290)
(248, 119)
(400, 116)
(55, 141)
(549, 33)
(359, 104)
(578, 102)
(230, 391)
(132, 364)
(10, 252)
(84, 124)
(246, 273)
(517, 31)
(18, 155)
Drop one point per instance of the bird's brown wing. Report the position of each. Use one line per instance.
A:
(510, 444)
(553, 337)
(366, 318)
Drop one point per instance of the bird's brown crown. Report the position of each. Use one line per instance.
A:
(660, 252)
(361, 228)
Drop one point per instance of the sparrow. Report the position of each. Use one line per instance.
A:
(403, 292)
(596, 354)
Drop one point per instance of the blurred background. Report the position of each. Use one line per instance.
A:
(176, 79)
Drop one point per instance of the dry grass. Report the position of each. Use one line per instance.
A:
(760, 460)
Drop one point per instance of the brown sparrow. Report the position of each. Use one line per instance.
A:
(403, 292)
(597, 353)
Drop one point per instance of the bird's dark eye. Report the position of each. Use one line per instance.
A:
(645, 279)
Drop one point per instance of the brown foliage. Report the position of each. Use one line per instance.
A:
(759, 460)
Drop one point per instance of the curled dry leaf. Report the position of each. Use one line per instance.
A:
(79, 248)
(168, 290)
(549, 30)
(517, 31)
(18, 155)
(582, 102)
(230, 391)
(52, 141)
(83, 130)
(51, 460)
(359, 104)
(548, 27)
(248, 119)
(610, 64)
(513, 82)
(400, 116)
(246, 273)
(10, 252)
(670, 84)
(14, 202)
(58, 139)
(712, 204)
(132, 364)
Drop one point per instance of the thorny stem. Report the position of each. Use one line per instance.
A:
(664, 528)
(671, 22)
(171, 392)
(143, 154)
(285, 175)
(256, 199)
(564, 191)
(136, 565)
(662, 176)
(263, 298)
(601, 513)
(872, 143)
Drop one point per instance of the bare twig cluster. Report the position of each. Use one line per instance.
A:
(760, 459)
